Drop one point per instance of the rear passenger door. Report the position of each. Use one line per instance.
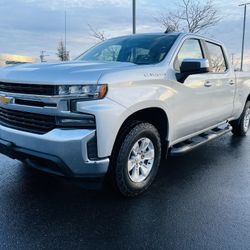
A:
(222, 81)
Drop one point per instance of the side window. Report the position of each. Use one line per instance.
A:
(217, 59)
(190, 49)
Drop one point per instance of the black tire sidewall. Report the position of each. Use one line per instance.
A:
(238, 125)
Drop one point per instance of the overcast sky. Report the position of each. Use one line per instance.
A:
(29, 26)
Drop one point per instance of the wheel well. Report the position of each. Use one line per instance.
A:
(155, 116)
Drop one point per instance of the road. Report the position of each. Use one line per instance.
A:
(200, 200)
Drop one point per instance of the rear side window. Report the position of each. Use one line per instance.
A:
(217, 58)
(191, 49)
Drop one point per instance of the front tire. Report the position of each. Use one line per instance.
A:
(242, 125)
(137, 159)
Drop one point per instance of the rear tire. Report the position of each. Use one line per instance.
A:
(137, 159)
(242, 125)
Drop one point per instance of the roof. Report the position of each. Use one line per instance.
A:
(182, 34)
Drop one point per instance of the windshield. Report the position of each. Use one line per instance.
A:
(139, 49)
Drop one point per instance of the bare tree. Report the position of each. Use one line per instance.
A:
(62, 54)
(217, 63)
(99, 35)
(190, 16)
(170, 23)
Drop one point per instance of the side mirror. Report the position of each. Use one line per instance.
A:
(194, 66)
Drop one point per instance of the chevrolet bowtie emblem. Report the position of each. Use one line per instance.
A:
(6, 100)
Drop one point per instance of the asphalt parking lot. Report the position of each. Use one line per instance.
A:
(200, 200)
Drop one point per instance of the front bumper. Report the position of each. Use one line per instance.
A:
(62, 152)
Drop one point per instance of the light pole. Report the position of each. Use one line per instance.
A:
(243, 35)
(134, 16)
(65, 30)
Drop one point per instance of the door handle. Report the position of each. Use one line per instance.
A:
(231, 82)
(208, 84)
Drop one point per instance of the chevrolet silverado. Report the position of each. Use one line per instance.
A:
(121, 106)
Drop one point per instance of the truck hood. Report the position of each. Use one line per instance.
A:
(75, 72)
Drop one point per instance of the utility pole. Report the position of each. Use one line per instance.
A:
(65, 30)
(243, 35)
(134, 16)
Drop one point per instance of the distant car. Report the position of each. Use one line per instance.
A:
(121, 106)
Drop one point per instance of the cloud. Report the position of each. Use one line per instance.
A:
(29, 26)
(58, 4)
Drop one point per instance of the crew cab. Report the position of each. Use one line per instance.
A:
(122, 106)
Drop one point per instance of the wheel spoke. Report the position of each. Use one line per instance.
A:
(144, 170)
(136, 148)
(131, 165)
(149, 155)
(144, 144)
(135, 173)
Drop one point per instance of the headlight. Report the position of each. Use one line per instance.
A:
(95, 91)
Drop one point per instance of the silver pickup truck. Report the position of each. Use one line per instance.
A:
(121, 106)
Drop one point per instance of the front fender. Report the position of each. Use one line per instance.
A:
(110, 116)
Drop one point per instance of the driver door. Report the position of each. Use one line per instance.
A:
(195, 104)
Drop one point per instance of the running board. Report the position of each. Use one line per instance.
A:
(199, 140)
